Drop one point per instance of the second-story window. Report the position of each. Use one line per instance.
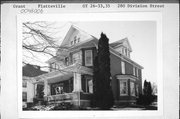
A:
(88, 58)
(54, 66)
(123, 67)
(76, 57)
(134, 71)
(137, 72)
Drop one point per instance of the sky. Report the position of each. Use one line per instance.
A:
(141, 35)
(142, 38)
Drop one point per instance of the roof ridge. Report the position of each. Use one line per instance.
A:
(119, 40)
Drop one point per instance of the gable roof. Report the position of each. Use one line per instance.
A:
(32, 70)
(121, 42)
(71, 30)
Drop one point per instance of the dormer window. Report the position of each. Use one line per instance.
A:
(67, 61)
(75, 40)
(126, 52)
(71, 42)
(78, 40)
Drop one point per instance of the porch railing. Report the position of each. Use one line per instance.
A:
(62, 97)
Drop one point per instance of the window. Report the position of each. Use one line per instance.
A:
(71, 42)
(24, 84)
(132, 87)
(134, 71)
(67, 61)
(24, 96)
(76, 57)
(123, 67)
(123, 88)
(78, 40)
(126, 52)
(54, 67)
(75, 41)
(137, 72)
(137, 90)
(88, 58)
(59, 90)
(88, 85)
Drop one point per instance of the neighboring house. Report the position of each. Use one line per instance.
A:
(28, 87)
(71, 71)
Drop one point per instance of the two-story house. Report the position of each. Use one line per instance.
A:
(71, 71)
(29, 89)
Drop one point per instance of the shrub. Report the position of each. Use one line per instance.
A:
(63, 106)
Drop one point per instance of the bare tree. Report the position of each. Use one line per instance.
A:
(37, 38)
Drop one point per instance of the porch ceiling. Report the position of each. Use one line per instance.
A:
(63, 77)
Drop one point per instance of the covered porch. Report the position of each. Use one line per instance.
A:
(69, 84)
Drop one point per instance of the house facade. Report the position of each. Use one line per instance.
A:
(70, 76)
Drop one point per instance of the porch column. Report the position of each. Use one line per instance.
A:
(48, 90)
(35, 90)
(45, 88)
(77, 82)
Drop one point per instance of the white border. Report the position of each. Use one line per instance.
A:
(122, 16)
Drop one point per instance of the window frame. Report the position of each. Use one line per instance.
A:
(132, 83)
(24, 84)
(134, 71)
(137, 71)
(123, 67)
(121, 82)
(79, 58)
(91, 61)
(137, 90)
(24, 99)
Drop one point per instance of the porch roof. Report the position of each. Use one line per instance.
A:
(124, 76)
(63, 74)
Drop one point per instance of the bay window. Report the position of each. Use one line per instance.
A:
(132, 88)
(123, 88)
(137, 90)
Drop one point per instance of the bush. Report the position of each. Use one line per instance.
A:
(145, 99)
(63, 106)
